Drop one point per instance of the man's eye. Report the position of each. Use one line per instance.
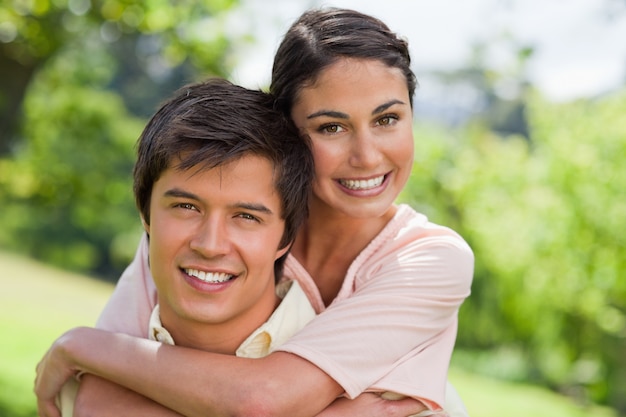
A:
(186, 206)
(248, 216)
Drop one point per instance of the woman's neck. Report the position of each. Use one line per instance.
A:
(329, 242)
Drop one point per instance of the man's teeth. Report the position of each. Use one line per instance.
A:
(362, 184)
(213, 277)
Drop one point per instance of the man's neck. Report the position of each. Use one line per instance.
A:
(223, 337)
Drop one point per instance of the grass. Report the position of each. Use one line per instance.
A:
(488, 397)
(39, 303)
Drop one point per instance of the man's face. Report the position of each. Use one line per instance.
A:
(214, 237)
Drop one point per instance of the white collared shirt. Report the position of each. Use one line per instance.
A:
(292, 314)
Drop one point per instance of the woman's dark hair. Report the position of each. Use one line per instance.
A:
(320, 37)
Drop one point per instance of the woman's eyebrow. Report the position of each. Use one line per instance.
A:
(328, 113)
(341, 115)
(386, 105)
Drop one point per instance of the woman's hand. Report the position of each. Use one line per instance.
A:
(371, 404)
(54, 369)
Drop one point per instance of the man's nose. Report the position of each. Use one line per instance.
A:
(211, 238)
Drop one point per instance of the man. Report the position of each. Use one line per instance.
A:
(221, 182)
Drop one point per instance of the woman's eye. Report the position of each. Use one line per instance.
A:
(387, 120)
(330, 128)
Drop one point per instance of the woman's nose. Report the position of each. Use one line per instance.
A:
(364, 150)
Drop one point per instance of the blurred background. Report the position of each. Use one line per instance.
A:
(520, 130)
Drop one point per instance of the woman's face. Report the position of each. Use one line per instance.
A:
(359, 117)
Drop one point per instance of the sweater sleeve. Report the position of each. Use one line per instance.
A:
(129, 308)
(397, 329)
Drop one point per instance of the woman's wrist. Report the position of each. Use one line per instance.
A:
(68, 347)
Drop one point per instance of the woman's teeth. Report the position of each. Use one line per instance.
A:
(212, 277)
(362, 184)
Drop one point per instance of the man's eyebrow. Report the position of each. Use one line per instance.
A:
(253, 207)
(178, 193)
(341, 115)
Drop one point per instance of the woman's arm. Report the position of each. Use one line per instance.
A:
(113, 400)
(216, 385)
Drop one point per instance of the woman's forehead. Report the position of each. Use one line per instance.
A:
(366, 80)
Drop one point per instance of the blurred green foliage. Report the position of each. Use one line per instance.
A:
(68, 189)
(163, 36)
(546, 218)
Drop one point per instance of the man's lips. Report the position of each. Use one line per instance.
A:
(210, 277)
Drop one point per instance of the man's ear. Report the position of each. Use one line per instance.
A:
(282, 251)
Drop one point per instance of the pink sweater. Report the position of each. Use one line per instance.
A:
(392, 326)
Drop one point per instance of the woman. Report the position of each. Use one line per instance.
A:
(387, 282)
